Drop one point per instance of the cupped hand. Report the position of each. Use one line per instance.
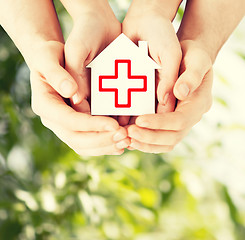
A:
(157, 133)
(146, 23)
(85, 134)
(94, 28)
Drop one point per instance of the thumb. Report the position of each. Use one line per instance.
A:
(60, 80)
(167, 76)
(196, 64)
(49, 64)
(76, 56)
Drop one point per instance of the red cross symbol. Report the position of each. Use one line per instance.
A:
(116, 82)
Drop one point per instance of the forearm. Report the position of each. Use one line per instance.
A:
(210, 23)
(29, 23)
(78, 7)
(165, 8)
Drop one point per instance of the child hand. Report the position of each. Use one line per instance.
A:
(95, 27)
(145, 22)
(156, 133)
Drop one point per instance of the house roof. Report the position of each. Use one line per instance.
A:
(123, 44)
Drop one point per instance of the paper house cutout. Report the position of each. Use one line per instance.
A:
(123, 79)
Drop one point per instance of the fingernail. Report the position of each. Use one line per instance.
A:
(183, 90)
(75, 99)
(118, 137)
(165, 99)
(66, 88)
(121, 145)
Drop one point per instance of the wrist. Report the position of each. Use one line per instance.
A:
(196, 44)
(41, 49)
(77, 8)
(165, 8)
(203, 44)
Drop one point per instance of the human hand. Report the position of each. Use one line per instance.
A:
(95, 27)
(85, 134)
(157, 133)
(146, 21)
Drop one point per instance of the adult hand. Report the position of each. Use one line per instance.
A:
(147, 21)
(156, 133)
(85, 134)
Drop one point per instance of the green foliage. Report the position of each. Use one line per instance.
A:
(47, 192)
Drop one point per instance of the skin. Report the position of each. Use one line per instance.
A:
(192, 55)
(201, 38)
(151, 21)
(42, 45)
(157, 133)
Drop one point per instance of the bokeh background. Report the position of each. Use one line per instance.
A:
(47, 192)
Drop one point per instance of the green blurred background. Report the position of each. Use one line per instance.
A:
(197, 191)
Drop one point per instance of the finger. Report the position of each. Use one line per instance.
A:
(169, 59)
(76, 56)
(52, 71)
(60, 80)
(174, 121)
(187, 112)
(200, 101)
(82, 107)
(149, 148)
(196, 63)
(88, 140)
(109, 150)
(158, 137)
(48, 104)
(188, 115)
(167, 53)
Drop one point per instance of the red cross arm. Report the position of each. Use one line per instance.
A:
(130, 90)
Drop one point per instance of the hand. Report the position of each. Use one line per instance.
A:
(157, 133)
(85, 134)
(95, 27)
(146, 22)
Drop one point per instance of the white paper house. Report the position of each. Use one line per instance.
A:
(123, 79)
